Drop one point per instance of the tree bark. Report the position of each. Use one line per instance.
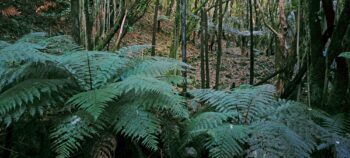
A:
(183, 40)
(76, 21)
(251, 76)
(155, 20)
(219, 52)
(202, 35)
(206, 50)
(317, 65)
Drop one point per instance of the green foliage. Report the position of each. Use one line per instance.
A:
(90, 99)
(95, 90)
(345, 55)
(250, 121)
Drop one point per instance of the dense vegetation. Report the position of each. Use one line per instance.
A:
(85, 95)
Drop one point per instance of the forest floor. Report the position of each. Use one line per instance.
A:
(235, 65)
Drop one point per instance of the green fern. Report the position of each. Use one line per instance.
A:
(251, 103)
(138, 124)
(93, 102)
(27, 92)
(92, 69)
(226, 141)
(154, 67)
(271, 139)
(69, 134)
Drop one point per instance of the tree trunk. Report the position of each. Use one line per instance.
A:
(76, 21)
(155, 19)
(338, 94)
(317, 65)
(206, 50)
(183, 40)
(175, 41)
(251, 76)
(219, 52)
(202, 35)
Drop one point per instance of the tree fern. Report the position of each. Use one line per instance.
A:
(26, 92)
(93, 102)
(69, 134)
(251, 103)
(154, 67)
(3, 44)
(132, 51)
(226, 141)
(22, 52)
(138, 124)
(92, 69)
(271, 139)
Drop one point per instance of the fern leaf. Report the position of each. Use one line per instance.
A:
(137, 124)
(34, 37)
(205, 121)
(93, 102)
(251, 103)
(226, 141)
(70, 132)
(92, 69)
(26, 92)
(154, 67)
(271, 139)
(22, 52)
(3, 44)
(132, 51)
(59, 45)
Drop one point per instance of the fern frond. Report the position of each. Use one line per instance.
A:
(92, 69)
(137, 124)
(70, 132)
(22, 52)
(59, 44)
(142, 84)
(272, 139)
(132, 51)
(154, 67)
(338, 124)
(3, 44)
(152, 94)
(163, 102)
(93, 102)
(10, 75)
(28, 91)
(205, 121)
(251, 103)
(35, 37)
(226, 141)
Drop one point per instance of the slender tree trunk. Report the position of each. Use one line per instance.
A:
(155, 19)
(175, 41)
(219, 52)
(202, 35)
(183, 40)
(206, 50)
(251, 77)
(88, 25)
(76, 21)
